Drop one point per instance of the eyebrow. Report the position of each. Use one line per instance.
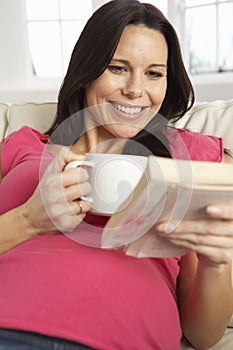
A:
(150, 66)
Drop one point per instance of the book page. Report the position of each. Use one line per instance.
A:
(168, 190)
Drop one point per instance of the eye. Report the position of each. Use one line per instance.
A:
(155, 75)
(117, 69)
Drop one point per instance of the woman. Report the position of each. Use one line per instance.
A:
(86, 297)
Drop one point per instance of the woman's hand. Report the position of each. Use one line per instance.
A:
(211, 239)
(56, 205)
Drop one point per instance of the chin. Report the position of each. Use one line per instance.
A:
(126, 134)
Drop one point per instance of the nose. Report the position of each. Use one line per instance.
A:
(133, 87)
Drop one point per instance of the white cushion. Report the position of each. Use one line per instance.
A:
(210, 118)
(39, 116)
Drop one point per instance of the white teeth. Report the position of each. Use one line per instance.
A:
(128, 110)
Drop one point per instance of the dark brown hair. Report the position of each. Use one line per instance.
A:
(95, 49)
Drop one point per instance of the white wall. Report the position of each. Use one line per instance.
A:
(13, 58)
(213, 87)
(17, 83)
(16, 80)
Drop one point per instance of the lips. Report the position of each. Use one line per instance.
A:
(127, 111)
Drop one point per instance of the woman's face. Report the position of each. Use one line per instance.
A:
(131, 90)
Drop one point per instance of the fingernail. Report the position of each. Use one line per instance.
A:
(88, 199)
(214, 210)
(166, 227)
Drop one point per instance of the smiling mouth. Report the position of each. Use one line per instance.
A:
(126, 109)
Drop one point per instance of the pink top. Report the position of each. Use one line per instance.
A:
(54, 286)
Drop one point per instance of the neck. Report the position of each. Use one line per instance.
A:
(98, 141)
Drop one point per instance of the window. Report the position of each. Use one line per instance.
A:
(53, 29)
(204, 27)
(208, 35)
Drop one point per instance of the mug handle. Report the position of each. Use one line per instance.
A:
(76, 164)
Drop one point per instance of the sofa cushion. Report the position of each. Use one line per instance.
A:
(39, 116)
(211, 118)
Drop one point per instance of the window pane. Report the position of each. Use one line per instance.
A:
(74, 9)
(42, 10)
(44, 41)
(226, 36)
(197, 2)
(70, 34)
(201, 38)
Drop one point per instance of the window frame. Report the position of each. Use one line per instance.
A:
(219, 75)
(176, 14)
(59, 21)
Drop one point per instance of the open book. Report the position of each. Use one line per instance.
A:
(168, 190)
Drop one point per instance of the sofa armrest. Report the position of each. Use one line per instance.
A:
(3, 120)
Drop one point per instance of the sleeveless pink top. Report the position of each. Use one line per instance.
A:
(104, 299)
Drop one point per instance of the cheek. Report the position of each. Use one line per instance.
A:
(108, 83)
(158, 94)
(99, 90)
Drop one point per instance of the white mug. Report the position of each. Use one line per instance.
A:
(113, 177)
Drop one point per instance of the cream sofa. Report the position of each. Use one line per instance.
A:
(214, 118)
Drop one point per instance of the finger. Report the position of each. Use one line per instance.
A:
(69, 216)
(223, 211)
(208, 240)
(74, 176)
(60, 160)
(204, 227)
(71, 156)
(65, 156)
(76, 191)
(80, 207)
(215, 254)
